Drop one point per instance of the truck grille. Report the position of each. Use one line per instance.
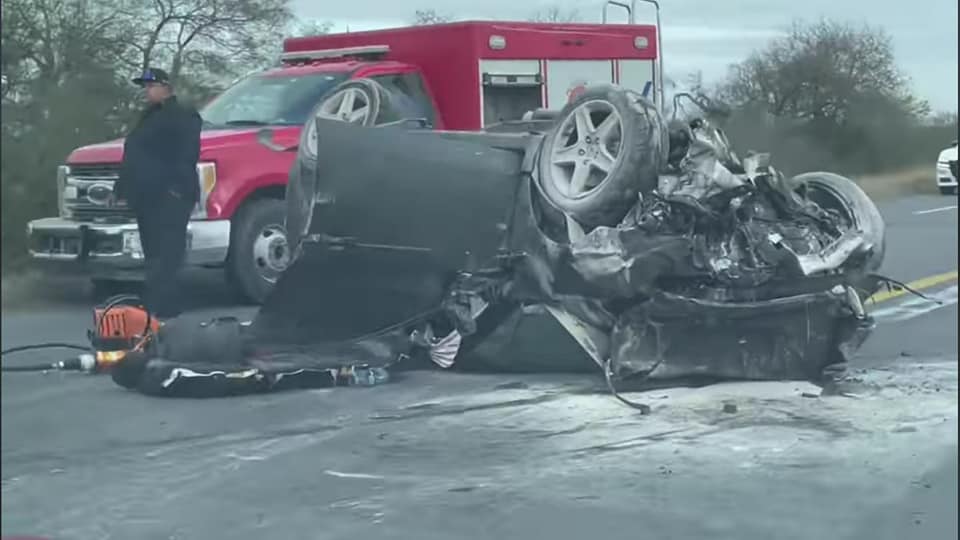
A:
(953, 168)
(86, 190)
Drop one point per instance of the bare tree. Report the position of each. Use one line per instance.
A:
(215, 35)
(429, 16)
(43, 40)
(311, 28)
(67, 65)
(556, 14)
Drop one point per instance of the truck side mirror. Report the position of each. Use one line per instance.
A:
(265, 137)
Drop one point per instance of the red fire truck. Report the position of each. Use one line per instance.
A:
(462, 76)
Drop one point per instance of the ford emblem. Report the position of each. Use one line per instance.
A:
(99, 194)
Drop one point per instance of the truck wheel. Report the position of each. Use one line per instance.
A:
(606, 147)
(259, 251)
(948, 190)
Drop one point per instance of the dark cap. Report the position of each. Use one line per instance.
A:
(152, 75)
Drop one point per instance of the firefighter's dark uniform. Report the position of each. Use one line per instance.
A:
(159, 181)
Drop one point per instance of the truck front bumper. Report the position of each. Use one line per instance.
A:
(113, 249)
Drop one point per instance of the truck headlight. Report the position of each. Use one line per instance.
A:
(63, 172)
(207, 177)
(131, 244)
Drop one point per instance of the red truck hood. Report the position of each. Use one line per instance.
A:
(210, 141)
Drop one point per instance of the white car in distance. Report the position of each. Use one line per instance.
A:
(947, 170)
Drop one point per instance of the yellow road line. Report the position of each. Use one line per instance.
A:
(919, 285)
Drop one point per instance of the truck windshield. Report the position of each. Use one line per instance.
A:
(269, 100)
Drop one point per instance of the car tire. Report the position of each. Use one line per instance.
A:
(259, 250)
(570, 173)
(834, 191)
(948, 190)
(367, 90)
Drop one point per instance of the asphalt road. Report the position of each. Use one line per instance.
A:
(440, 455)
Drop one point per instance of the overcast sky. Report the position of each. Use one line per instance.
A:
(707, 35)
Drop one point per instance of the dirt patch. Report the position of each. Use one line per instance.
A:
(912, 181)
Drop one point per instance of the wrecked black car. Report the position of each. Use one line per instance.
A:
(601, 236)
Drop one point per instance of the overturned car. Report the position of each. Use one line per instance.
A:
(599, 236)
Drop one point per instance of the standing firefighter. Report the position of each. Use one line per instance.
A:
(158, 179)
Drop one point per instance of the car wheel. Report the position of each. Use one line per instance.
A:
(356, 102)
(948, 190)
(259, 250)
(832, 191)
(606, 147)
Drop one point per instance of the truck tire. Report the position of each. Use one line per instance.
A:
(259, 251)
(607, 146)
(839, 193)
(948, 190)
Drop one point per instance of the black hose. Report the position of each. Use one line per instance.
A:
(49, 345)
(30, 367)
(69, 364)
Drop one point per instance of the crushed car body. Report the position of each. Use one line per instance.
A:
(602, 236)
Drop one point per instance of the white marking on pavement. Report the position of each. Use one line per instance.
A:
(339, 474)
(934, 210)
(916, 306)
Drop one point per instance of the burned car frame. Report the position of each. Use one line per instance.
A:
(610, 237)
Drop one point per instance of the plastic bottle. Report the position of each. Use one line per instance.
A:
(368, 376)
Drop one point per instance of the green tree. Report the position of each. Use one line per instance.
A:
(822, 72)
(833, 89)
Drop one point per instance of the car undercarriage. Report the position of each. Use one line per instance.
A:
(600, 238)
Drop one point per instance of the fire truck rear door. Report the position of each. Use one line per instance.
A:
(564, 76)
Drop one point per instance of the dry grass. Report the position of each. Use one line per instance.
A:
(912, 181)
